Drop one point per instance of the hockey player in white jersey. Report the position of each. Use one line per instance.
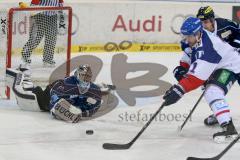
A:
(213, 63)
(227, 30)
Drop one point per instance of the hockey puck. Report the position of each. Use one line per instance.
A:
(89, 132)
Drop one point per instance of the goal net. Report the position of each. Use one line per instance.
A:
(39, 37)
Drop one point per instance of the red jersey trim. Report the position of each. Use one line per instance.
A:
(184, 64)
(190, 82)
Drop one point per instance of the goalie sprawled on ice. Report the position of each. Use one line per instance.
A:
(69, 99)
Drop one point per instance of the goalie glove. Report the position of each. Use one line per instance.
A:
(106, 88)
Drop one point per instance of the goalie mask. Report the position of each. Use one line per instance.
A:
(84, 75)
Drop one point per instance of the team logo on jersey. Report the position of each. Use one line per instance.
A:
(224, 77)
(199, 54)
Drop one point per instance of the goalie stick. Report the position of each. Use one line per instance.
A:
(111, 146)
(220, 154)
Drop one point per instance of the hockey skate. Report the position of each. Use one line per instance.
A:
(27, 83)
(24, 67)
(211, 120)
(228, 134)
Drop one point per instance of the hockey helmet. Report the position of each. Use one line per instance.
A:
(191, 26)
(205, 13)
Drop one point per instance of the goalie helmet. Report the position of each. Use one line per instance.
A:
(84, 74)
(205, 13)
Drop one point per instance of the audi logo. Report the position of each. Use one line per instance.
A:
(177, 22)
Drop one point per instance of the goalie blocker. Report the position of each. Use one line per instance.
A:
(69, 99)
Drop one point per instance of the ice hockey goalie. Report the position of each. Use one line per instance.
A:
(70, 99)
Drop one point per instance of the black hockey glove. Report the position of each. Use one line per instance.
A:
(173, 95)
(179, 72)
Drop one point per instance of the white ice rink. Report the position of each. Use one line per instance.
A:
(35, 136)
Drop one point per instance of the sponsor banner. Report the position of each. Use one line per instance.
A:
(134, 48)
(145, 23)
(139, 22)
(111, 47)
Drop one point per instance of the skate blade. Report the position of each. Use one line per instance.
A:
(224, 139)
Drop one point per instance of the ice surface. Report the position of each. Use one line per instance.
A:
(35, 136)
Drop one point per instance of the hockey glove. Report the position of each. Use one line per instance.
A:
(179, 72)
(173, 95)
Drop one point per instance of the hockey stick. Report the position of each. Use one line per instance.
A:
(220, 154)
(112, 146)
(191, 112)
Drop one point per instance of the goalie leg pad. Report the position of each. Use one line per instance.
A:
(65, 111)
(11, 75)
(26, 100)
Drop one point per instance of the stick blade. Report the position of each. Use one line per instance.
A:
(195, 158)
(111, 146)
(179, 129)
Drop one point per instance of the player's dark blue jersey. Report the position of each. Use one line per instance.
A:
(88, 101)
(228, 31)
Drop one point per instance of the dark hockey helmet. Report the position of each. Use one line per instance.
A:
(205, 13)
(84, 73)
